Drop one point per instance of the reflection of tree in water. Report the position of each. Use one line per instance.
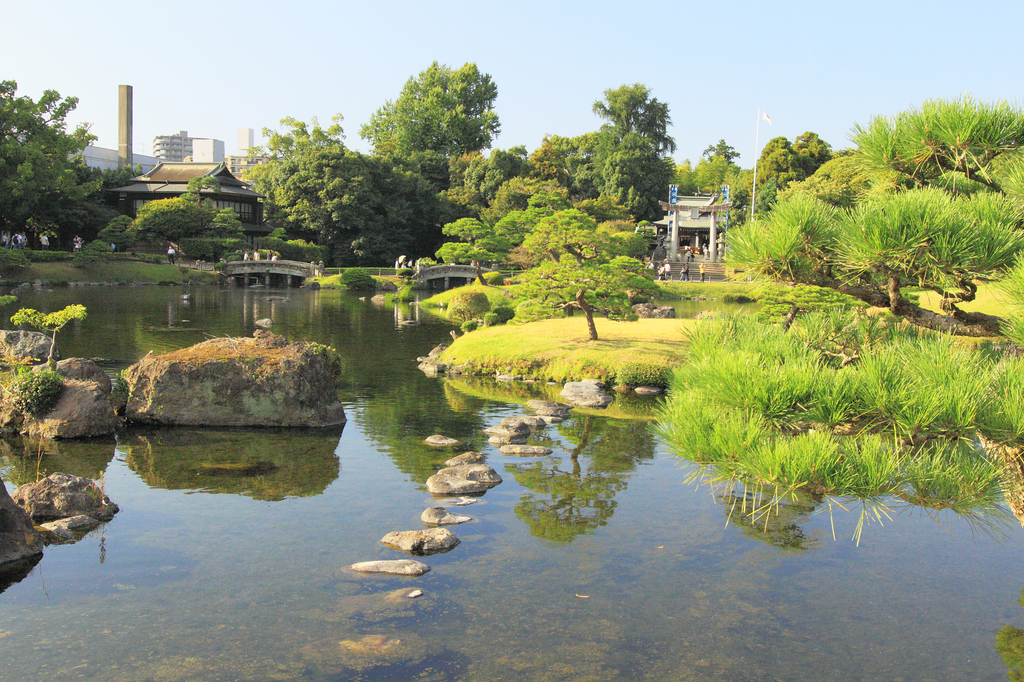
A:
(775, 521)
(1010, 645)
(567, 499)
(28, 459)
(264, 464)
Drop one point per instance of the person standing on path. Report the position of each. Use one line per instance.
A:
(170, 254)
(685, 276)
(703, 269)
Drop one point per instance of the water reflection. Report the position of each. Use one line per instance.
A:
(565, 499)
(27, 460)
(265, 464)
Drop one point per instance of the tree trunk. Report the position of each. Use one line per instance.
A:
(581, 303)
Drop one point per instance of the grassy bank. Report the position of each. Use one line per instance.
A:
(560, 350)
(123, 271)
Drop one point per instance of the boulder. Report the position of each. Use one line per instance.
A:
(462, 479)
(439, 516)
(19, 540)
(506, 440)
(528, 419)
(422, 542)
(466, 458)
(648, 390)
(525, 450)
(264, 323)
(441, 441)
(379, 299)
(259, 381)
(508, 430)
(32, 345)
(83, 411)
(650, 310)
(432, 369)
(549, 408)
(60, 496)
(396, 567)
(82, 369)
(437, 350)
(586, 393)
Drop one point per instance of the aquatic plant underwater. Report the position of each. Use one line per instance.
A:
(849, 408)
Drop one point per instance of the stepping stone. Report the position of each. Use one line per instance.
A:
(647, 390)
(508, 430)
(525, 450)
(549, 408)
(530, 420)
(395, 567)
(439, 516)
(442, 441)
(506, 440)
(462, 479)
(422, 542)
(466, 458)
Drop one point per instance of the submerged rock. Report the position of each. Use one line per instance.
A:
(395, 567)
(259, 381)
(19, 540)
(648, 390)
(525, 450)
(422, 542)
(439, 516)
(60, 496)
(68, 530)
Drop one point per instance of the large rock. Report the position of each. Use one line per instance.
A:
(83, 411)
(525, 450)
(442, 441)
(82, 369)
(470, 457)
(439, 516)
(422, 542)
(262, 381)
(462, 479)
(32, 345)
(655, 311)
(586, 393)
(549, 408)
(19, 540)
(396, 567)
(59, 496)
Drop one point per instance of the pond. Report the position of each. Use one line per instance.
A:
(601, 561)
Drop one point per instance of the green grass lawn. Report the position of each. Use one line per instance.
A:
(561, 350)
(111, 271)
(989, 300)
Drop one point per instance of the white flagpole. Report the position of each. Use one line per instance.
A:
(753, 190)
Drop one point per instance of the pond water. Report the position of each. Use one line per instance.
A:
(229, 558)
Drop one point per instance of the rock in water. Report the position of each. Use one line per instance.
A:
(442, 441)
(19, 540)
(586, 393)
(462, 479)
(83, 411)
(262, 381)
(439, 516)
(264, 323)
(59, 496)
(82, 369)
(397, 567)
(422, 542)
(466, 458)
(32, 345)
(525, 450)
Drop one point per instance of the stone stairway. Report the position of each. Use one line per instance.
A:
(715, 272)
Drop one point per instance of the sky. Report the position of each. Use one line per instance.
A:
(211, 68)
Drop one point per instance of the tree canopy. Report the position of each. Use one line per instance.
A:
(630, 109)
(441, 110)
(39, 157)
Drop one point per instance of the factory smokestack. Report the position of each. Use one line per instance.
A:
(124, 126)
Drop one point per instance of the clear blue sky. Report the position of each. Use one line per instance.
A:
(210, 68)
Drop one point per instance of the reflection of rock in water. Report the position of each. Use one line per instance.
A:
(14, 572)
(29, 458)
(265, 464)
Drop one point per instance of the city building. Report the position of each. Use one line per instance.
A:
(169, 180)
(172, 147)
(107, 159)
(238, 164)
(207, 151)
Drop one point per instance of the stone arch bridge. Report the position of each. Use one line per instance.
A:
(446, 276)
(285, 272)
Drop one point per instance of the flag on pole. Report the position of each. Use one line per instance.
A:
(764, 115)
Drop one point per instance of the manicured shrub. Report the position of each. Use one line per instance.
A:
(468, 306)
(504, 313)
(47, 256)
(36, 393)
(642, 374)
(469, 326)
(93, 252)
(12, 260)
(495, 279)
(296, 249)
(405, 273)
(491, 319)
(210, 250)
(357, 278)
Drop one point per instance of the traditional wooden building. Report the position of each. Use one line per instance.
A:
(169, 180)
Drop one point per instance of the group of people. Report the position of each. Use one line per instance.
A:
(256, 255)
(19, 240)
(665, 270)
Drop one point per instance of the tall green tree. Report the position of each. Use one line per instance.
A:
(39, 157)
(441, 110)
(630, 109)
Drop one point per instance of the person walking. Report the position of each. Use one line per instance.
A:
(171, 252)
(703, 269)
(685, 276)
(44, 242)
